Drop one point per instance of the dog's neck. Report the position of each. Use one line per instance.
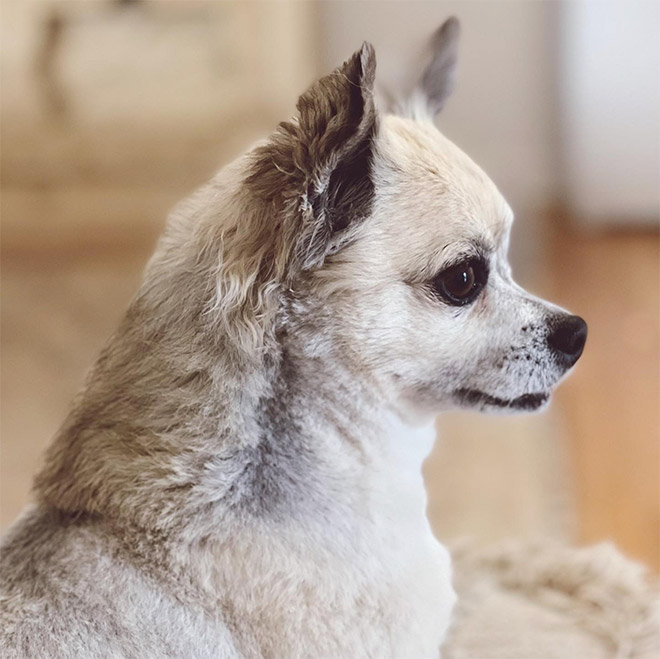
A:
(322, 441)
(167, 448)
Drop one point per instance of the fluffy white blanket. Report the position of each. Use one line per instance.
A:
(551, 602)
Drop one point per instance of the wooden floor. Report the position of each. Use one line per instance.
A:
(612, 401)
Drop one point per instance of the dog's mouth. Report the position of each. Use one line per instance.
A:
(474, 398)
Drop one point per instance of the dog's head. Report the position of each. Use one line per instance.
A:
(391, 245)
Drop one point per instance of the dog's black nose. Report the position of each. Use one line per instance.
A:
(567, 337)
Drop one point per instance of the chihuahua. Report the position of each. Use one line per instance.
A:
(240, 476)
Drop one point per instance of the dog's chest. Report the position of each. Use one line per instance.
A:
(419, 564)
(368, 582)
(390, 597)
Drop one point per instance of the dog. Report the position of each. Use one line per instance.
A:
(240, 476)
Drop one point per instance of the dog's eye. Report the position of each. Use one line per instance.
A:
(461, 283)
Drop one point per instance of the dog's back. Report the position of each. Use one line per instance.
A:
(68, 590)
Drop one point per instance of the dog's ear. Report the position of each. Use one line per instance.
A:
(315, 171)
(437, 81)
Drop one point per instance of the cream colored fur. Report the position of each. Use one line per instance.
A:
(241, 476)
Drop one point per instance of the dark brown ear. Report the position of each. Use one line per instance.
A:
(439, 77)
(315, 171)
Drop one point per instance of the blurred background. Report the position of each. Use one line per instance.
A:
(114, 110)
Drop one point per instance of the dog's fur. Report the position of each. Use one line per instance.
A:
(241, 475)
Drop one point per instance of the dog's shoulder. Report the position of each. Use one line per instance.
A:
(66, 590)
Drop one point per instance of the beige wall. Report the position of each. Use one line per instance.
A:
(611, 110)
(159, 96)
